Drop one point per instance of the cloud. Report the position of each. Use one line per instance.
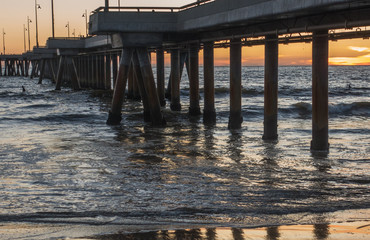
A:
(362, 60)
(359, 49)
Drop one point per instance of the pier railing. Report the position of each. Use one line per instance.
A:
(153, 9)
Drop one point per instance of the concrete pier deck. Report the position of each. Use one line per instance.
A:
(220, 19)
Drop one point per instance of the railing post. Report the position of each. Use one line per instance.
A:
(106, 8)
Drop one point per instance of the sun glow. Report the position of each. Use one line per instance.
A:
(359, 49)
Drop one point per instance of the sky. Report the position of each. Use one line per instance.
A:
(13, 17)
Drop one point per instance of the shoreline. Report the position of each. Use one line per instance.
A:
(347, 224)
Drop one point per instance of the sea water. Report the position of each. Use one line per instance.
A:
(61, 163)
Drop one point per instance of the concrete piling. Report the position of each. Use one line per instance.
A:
(151, 91)
(74, 75)
(42, 72)
(175, 80)
(114, 68)
(209, 112)
(138, 77)
(235, 119)
(118, 94)
(130, 83)
(320, 115)
(107, 73)
(160, 77)
(135, 89)
(194, 109)
(271, 88)
(60, 73)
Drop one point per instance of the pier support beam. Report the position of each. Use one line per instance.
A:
(135, 89)
(140, 82)
(271, 88)
(320, 116)
(209, 112)
(60, 73)
(74, 75)
(119, 89)
(52, 70)
(183, 59)
(27, 67)
(235, 120)
(175, 80)
(194, 109)
(114, 68)
(42, 72)
(151, 91)
(160, 77)
(130, 83)
(107, 75)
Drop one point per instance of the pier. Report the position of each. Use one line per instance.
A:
(118, 55)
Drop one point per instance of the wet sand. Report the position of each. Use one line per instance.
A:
(346, 225)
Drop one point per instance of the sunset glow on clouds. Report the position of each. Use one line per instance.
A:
(359, 49)
(363, 59)
(341, 52)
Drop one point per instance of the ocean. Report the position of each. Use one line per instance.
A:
(61, 164)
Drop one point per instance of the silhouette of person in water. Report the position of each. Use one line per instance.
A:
(23, 89)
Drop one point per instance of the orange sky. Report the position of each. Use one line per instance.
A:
(13, 14)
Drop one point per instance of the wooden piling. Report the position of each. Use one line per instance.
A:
(320, 96)
(90, 71)
(235, 119)
(42, 72)
(60, 73)
(86, 71)
(21, 62)
(151, 91)
(130, 83)
(118, 95)
(183, 57)
(209, 112)
(17, 67)
(193, 72)
(6, 68)
(138, 77)
(271, 88)
(74, 75)
(160, 77)
(97, 72)
(33, 69)
(27, 67)
(115, 69)
(135, 88)
(175, 80)
(102, 71)
(107, 72)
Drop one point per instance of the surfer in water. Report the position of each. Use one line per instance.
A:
(23, 89)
